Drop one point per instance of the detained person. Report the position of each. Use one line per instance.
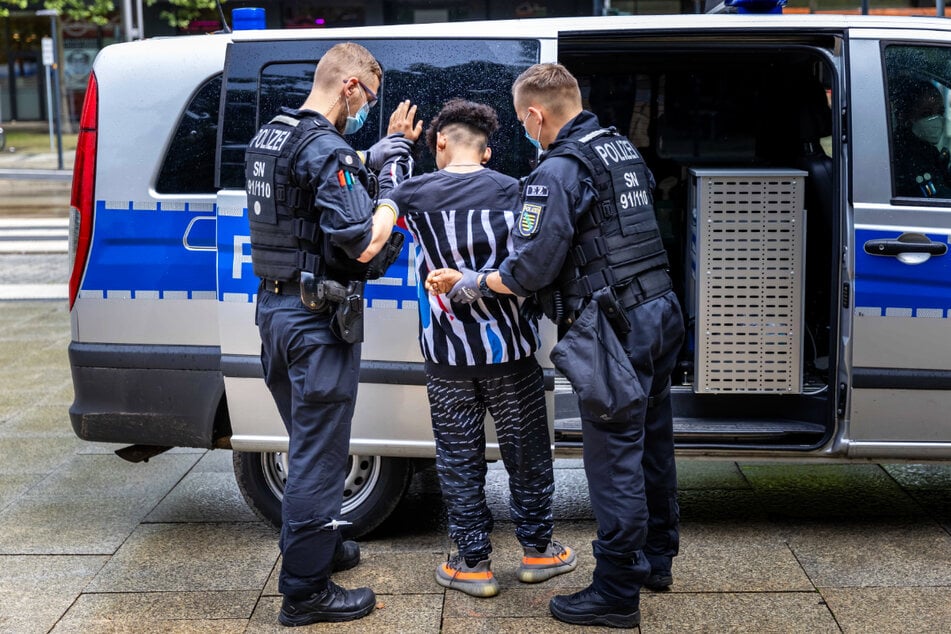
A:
(479, 356)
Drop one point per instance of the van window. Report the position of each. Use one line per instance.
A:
(263, 76)
(189, 164)
(918, 80)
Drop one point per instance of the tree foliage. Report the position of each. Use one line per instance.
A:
(94, 11)
(98, 11)
(184, 11)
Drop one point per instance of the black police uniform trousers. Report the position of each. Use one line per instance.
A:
(313, 377)
(632, 478)
(517, 404)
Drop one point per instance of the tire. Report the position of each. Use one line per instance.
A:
(374, 487)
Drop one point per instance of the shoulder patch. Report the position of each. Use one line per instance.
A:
(348, 159)
(536, 191)
(528, 220)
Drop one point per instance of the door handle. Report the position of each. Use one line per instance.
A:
(896, 247)
(908, 248)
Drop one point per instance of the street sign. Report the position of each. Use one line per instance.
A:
(47, 45)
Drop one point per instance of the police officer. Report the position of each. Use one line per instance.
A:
(922, 170)
(587, 240)
(314, 237)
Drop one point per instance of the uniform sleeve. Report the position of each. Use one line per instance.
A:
(346, 209)
(551, 199)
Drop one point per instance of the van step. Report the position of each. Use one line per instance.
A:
(693, 430)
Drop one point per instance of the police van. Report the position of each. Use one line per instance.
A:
(816, 288)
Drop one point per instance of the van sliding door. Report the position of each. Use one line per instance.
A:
(901, 305)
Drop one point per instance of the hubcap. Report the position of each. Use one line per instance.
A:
(363, 472)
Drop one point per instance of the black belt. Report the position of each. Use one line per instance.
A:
(281, 287)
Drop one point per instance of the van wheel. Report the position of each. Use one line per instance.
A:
(374, 487)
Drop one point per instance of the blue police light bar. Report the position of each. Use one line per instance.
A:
(756, 6)
(248, 19)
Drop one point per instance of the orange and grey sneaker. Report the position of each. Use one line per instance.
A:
(540, 565)
(476, 580)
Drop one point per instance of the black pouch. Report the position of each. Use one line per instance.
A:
(310, 293)
(591, 356)
(386, 257)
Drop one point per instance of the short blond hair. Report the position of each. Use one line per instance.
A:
(344, 60)
(551, 85)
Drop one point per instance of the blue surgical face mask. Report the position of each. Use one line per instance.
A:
(355, 123)
(929, 129)
(533, 141)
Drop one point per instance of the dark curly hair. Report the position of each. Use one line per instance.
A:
(477, 118)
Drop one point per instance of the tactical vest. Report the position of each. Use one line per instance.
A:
(285, 227)
(617, 243)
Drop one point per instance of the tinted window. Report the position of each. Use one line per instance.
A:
(189, 165)
(428, 72)
(917, 80)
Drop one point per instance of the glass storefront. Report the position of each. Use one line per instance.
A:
(23, 76)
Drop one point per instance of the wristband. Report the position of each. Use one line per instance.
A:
(484, 287)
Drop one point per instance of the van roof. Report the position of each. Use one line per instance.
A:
(551, 27)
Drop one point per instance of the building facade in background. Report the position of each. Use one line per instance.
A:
(23, 76)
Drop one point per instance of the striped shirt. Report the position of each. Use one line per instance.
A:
(465, 221)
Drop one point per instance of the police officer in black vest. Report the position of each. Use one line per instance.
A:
(315, 238)
(586, 244)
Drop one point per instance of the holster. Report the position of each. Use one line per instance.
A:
(348, 318)
(549, 302)
(386, 257)
(322, 296)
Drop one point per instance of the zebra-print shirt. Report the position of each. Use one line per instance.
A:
(464, 221)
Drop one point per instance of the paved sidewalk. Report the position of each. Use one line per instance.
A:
(90, 543)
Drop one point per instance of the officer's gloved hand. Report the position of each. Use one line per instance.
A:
(388, 148)
(466, 290)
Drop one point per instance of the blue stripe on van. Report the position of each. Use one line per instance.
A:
(236, 274)
(885, 286)
(143, 250)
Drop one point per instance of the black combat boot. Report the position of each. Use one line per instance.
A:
(334, 604)
(589, 607)
(346, 556)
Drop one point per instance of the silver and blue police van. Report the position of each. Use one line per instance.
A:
(816, 289)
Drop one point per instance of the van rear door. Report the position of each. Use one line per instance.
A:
(901, 269)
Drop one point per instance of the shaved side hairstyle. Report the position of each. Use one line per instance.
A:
(551, 85)
(345, 60)
(465, 123)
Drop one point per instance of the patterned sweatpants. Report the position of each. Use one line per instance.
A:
(517, 403)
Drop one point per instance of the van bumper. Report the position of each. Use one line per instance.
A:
(146, 394)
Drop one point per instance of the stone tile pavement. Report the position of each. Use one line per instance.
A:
(90, 543)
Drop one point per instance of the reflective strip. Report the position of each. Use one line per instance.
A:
(466, 576)
(547, 561)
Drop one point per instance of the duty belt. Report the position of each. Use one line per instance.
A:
(281, 287)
